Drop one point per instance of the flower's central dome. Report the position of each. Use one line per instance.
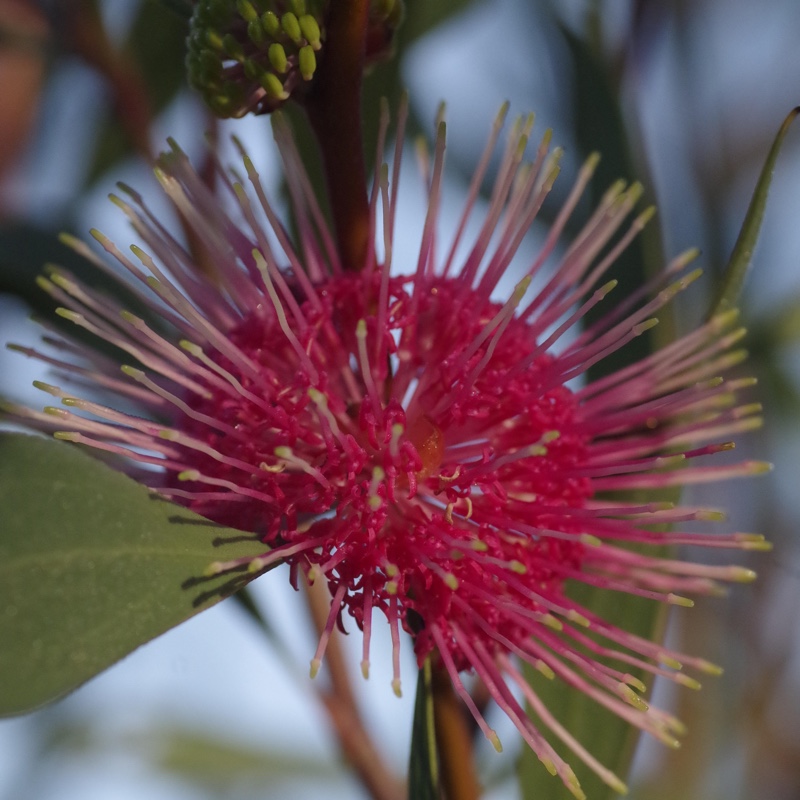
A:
(406, 442)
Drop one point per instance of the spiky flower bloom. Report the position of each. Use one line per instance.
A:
(431, 451)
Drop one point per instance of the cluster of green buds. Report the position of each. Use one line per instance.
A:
(251, 55)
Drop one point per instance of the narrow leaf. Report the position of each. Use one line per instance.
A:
(607, 737)
(423, 780)
(736, 270)
(91, 567)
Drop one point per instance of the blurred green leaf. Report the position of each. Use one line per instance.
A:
(25, 250)
(736, 269)
(607, 737)
(91, 567)
(423, 769)
(156, 46)
(214, 762)
(600, 127)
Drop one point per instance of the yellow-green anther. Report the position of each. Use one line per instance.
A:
(246, 10)
(273, 87)
(277, 57)
(291, 27)
(256, 33)
(307, 62)
(310, 29)
(271, 24)
(232, 47)
(214, 40)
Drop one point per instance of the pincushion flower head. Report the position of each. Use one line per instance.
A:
(432, 449)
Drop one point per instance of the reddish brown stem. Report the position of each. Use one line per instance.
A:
(89, 40)
(453, 741)
(334, 110)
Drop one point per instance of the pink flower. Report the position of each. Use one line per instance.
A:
(432, 452)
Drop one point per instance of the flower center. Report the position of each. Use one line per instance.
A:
(428, 440)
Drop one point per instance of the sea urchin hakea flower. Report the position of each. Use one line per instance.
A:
(430, 451)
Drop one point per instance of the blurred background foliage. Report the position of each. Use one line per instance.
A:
(685, 95)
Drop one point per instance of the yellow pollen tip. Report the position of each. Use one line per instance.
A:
(396, 687)
(633, 681)
(451, 581)
(609, 287)
(742, 575)
(256, 565)
(314, 669)
(762, 546)
(365, 669)
(639, 329)
(552, 622)
(495, 740)
(518, 567)
(670, 662)
(610, 779)
(709, 668)
(190, 347)
(283, 452)
(578, 619)
(712, 515)
(391, 587)
(548, 765)
(361, 329)
(630, 697)
(545, 670)
(188, 475)
(574, 786)
(590, 541)
(678, 600)
(689, 683)
(521, 288)
(214, 568)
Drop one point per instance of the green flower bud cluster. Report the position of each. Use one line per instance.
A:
(252, 55)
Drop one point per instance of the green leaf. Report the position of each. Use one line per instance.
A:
(607, 737)
(26, 250)
(736, 270)
(211, 762)
(423, 768)
(91, 567)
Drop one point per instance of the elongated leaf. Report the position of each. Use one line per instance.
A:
(736, 270)
(91, 567)
(607, 737)
(423, 781)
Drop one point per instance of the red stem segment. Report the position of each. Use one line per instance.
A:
(334, 110)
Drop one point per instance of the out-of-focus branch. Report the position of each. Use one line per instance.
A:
(340, 701)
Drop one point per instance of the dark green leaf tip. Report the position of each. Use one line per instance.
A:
(736, 270)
